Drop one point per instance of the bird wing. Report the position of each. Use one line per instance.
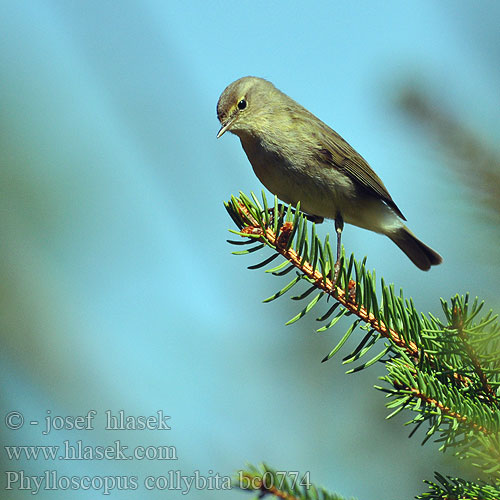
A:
(344, 158)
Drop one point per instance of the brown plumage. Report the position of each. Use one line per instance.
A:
(299, 158)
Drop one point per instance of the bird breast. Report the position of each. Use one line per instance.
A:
(320, 189)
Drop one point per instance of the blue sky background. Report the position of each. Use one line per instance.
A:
(119, 290)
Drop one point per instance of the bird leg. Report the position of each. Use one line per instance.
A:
(310, 217)
(272, 212)
(314, 218)
(339, 226)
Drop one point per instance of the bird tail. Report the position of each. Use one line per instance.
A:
(418, 252)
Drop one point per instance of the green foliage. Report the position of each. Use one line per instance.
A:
(445, 371)
(282, 484)
(450, 488)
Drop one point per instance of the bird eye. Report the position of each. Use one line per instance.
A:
(242, 104)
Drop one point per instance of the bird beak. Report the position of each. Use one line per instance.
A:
(225, 127)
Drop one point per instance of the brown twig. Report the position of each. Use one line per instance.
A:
(280, 240)
(449, 411)
(258, 484)
(323, 283)
(471, 352)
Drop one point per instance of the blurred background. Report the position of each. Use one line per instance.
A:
(118, 289)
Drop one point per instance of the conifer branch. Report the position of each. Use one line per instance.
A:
(284, 485)
(280, 241)
(446, 372)
(458, 324)
(448, 411)
(450, 488)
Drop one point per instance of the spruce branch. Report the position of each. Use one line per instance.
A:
(446, 371)
(394, 320)
(285, 485)
(458, 325)
(280, 241)
(449, 488)
(444, 410)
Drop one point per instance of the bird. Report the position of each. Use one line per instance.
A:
(299, 158)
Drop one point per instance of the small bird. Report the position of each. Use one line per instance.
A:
(299, 158)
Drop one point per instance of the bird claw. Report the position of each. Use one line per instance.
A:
(317, 219)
